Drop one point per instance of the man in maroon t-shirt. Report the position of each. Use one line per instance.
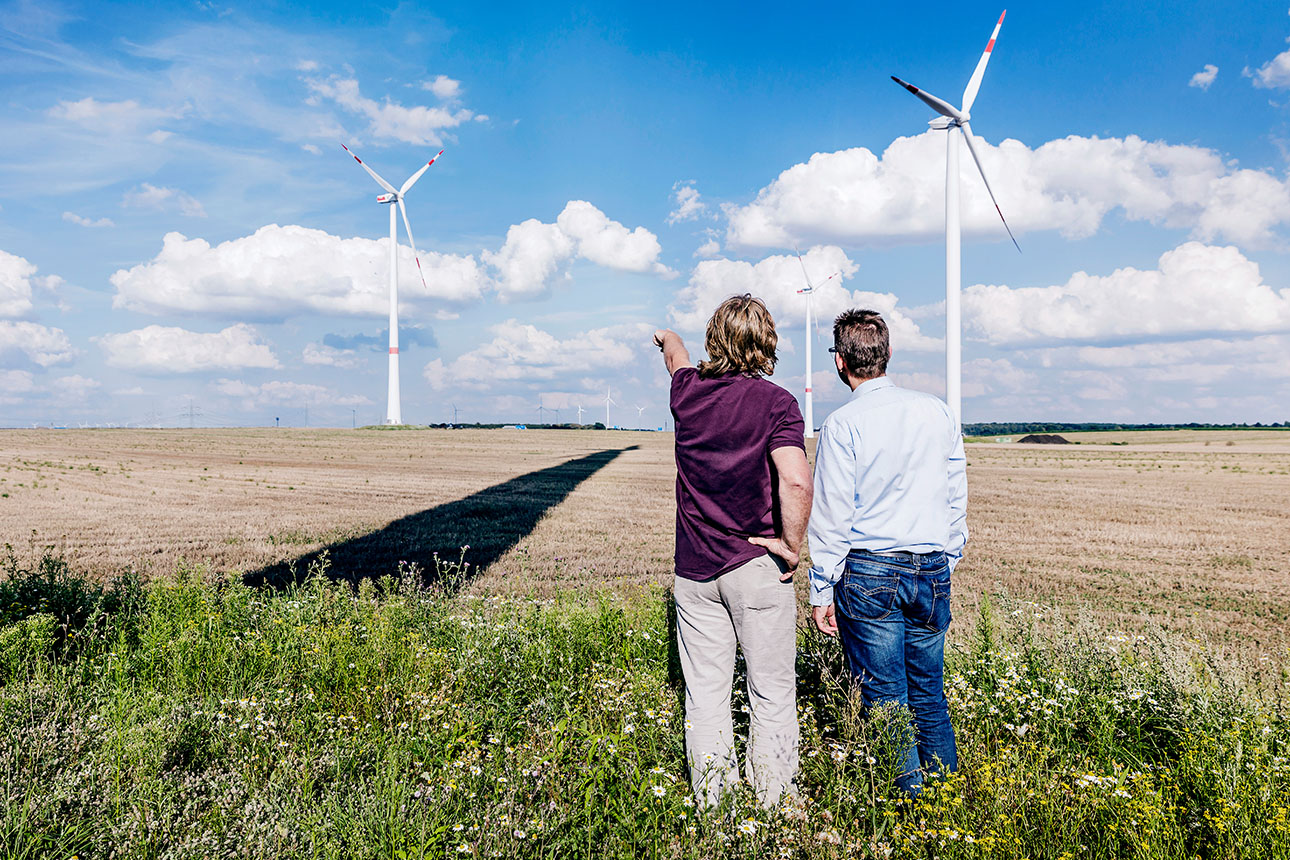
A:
(743, 497)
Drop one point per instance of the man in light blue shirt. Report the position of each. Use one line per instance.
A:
(888, 526)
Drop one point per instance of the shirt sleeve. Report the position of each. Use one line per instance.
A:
(832, 512)
(789, 429)
(681, 380)
(957, 466)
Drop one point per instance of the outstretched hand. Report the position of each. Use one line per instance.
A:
(776, 546)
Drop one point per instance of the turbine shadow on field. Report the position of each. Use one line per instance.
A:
(490, 522)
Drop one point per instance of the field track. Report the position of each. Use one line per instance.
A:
(1183, 529)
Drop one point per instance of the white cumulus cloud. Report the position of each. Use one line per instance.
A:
(165, 349)
(281, 271)
(1196, 290)
(1205, 77)
(776, 280)
(534, 251)
(18, 279)
(390, 120)
(148, 196)
(520, 352)
(87, 222)
(1274, 74)
(15, 285)
(689, 206)
(40, 344)
(74, 388)
(444, 87)
(1069, 185)
(329, 356)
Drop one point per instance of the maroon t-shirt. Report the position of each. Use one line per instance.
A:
(726, 492)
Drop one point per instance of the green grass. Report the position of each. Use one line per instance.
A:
(198, 717)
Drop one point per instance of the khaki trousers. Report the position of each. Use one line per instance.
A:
(750, 608)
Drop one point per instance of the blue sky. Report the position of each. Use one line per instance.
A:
(178, 222)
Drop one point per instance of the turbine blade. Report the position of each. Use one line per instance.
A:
(412, 180)
(967, 135)
(942, 107)
(969, 94)
(387, 186)
(413, 242)
(802, 262)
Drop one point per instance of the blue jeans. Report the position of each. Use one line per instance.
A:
(892, 614)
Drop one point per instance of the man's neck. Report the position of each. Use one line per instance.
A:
(856, 382)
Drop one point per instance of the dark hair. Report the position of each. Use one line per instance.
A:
(862, 339)
(741, 339)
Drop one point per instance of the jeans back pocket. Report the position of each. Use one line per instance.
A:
(868, 590)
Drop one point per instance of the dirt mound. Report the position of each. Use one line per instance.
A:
(1044, 439)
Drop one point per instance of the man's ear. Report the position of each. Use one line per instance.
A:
(842, 365)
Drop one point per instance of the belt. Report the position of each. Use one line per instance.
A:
(900, 554)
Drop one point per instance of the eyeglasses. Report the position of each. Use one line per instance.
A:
(833, 349)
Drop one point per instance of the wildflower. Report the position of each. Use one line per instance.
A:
(829, 837)
(748, 827)
(658, 790)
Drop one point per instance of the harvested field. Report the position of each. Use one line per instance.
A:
(1179, 528)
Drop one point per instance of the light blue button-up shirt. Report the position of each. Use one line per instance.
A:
(890, 476)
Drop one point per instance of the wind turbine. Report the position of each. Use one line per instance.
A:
(608, 401)
(808, 292)
(393, 412)
(953, 120)
(640, 410)
(579, 414)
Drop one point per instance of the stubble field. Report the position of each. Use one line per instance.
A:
(486, 668)
(1181, 529)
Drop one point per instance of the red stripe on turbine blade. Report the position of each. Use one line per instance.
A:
(394, 350)
(989, 47)
(808, 391)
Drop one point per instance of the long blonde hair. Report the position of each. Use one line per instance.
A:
(741, 338)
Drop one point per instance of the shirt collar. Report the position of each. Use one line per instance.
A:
(870, 385)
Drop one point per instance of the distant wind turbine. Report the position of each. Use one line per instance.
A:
(953, 120)
(810, 341)
(393, 412)
(608, 401)
(580, 413)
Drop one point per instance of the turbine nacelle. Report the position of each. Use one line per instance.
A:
(387, 198)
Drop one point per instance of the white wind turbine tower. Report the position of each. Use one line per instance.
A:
(640, 410)
(608, 400)
(579, 413)
(953, 120)
(808, 292)
(393, 412)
